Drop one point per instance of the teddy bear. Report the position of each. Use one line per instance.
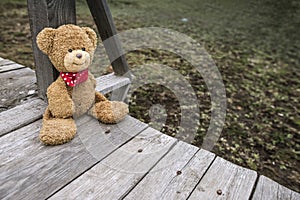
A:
(70, 48)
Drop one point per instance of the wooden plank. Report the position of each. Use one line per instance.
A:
(110, 82)
(26, 113)
(106, 29)
(225, 180)
(269, 189)
(10, 67)
(16, 86)
(5, 62)
(121, 171)
(120, 94)
(45, 13)
(21, 115)
(30, 170)
(175, 176)
(295, 196)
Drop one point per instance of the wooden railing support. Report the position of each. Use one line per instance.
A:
(53, 13)
(47, 13)
(106, 28)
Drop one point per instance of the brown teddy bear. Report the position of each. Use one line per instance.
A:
(70, 49)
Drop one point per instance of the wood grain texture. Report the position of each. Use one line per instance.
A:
(32, 110)
(110, 82)
(164, 182)
(15, 86)
(5, 62)
(21, 115)
(61, 12)
(269, 189)
(38, 18)
(225, 180)
(121, 171)
(10, 66)
(100, 144)
(47, 13)
(106, 29)
(30, 170)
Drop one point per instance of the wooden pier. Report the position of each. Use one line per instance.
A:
(128, 160)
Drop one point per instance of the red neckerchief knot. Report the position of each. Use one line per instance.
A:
(74, 78)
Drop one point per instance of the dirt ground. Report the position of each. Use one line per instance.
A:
(256, 48)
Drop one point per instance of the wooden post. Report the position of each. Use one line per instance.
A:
(47, 13)
(103, 19)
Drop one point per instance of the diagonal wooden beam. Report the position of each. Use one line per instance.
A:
(104, 21)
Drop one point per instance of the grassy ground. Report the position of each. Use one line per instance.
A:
(255, 45)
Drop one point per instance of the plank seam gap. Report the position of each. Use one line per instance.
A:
(202, 177)
(23, 125)
(254, 186)
(12, 69)
(11, 63)
(190, 160)
(55, 192)
(130, 189)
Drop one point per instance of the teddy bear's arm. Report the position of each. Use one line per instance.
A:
(60, 103)
(99, 97)
(92, 78)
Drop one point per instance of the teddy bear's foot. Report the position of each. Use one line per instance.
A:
(109, 112)
(57, 131)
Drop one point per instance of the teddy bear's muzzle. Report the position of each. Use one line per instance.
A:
(77, 60)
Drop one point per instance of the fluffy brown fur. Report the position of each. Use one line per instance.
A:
(62, 45)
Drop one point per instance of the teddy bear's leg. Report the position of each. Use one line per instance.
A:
(109, 112)
(56, 130)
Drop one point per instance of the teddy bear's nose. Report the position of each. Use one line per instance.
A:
(79, 55)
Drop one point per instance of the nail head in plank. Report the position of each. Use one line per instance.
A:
(121, 171)
(31, 170)
(100, 144)
(175, 176)
(225, 180)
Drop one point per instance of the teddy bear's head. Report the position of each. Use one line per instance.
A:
(69, 47)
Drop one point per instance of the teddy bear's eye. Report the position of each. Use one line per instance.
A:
(70, 50)
(83, 49)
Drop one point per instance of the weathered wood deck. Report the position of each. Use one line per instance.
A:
(131, 161)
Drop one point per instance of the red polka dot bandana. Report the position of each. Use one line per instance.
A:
(74, 78)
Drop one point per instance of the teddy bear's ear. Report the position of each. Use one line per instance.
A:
(44, 39)
(92, 35)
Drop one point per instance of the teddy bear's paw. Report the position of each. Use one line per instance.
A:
(57, 131)
(109, 112)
